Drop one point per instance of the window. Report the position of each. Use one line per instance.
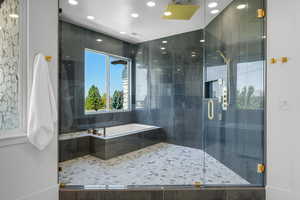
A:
(11, 74)
(107, 83)
(250, 87)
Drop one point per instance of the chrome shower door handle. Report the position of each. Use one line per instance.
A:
(210, 109)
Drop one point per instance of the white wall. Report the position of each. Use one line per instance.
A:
(283, 104)
(25, 172)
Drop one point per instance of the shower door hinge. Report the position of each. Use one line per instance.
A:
(261, 168)
(261, 13)
(197, 184)
(62, 185)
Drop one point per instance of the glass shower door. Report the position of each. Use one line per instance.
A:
(233, 103)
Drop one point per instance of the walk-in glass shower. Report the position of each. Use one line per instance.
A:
(187, 107)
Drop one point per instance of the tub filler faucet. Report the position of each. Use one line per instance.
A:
(98, 131)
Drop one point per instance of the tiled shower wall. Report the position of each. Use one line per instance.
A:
(9, 63)
(169, 86)
(73, 41)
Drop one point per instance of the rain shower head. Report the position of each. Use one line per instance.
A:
(180, 10)
(226, 60)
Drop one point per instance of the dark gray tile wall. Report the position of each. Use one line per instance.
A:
(73, 41)
(169, 87)
(73, 148)
(166, 194)
(109, 148)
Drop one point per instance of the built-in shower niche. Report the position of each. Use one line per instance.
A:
(211, 89)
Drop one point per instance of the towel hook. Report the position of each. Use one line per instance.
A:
(48, 58)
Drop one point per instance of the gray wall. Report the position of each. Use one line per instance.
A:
(169, 87)
(73, 41)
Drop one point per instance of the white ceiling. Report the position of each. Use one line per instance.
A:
(114, 16)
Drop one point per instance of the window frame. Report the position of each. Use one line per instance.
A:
(107, 82)
(18, 135)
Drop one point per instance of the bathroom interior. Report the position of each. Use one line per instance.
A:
(150, 97)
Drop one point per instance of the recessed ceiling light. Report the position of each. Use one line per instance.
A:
(241, 6)
(193, 55)
(214, 11)
(212, 5)
(122, 32)
(134, 15)
(99, 40)
(263, 37)
(90, 17)
(13, 15)
(162, 48)
(193, 52)
(165, 42)
(202, 40)
(151, 3)
(167, 13)
(73, 2)
(0, 28)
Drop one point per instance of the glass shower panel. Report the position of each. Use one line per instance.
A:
(233, 107)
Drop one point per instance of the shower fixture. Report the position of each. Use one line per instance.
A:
(226, 90)
(226, 60)
(180, 10)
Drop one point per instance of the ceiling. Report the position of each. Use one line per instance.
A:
(114, 16)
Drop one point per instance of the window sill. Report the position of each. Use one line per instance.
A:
(106, 112)
(12, 138)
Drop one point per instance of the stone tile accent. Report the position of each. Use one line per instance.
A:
(9, 63)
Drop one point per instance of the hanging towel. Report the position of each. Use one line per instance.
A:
(42, 113)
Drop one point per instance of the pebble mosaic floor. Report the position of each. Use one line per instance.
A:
(160, 164)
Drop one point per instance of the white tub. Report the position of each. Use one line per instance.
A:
(127, 129)
(112, 132)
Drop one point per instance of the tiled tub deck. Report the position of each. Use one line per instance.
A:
(118, 140)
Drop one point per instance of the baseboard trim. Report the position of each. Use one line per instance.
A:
(50, 193)
(275, 193)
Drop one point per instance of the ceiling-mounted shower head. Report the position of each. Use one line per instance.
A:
(180, 10)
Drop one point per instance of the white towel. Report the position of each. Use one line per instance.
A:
(42, 113)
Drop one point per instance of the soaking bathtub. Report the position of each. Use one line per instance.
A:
(116, 141)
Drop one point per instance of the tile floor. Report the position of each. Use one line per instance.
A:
(160, 164)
